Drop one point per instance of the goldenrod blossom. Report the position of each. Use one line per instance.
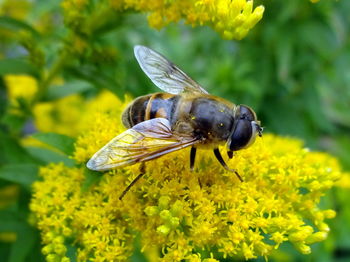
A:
(52, 116)
(20, 86)
(232, 19)
(48, 116)
(182, 214)
(15, 8)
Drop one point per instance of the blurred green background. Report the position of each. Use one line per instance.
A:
(292, 68)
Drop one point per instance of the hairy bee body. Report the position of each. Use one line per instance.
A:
(204, 116)
(185, 116)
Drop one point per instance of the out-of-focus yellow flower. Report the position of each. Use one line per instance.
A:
(344, 181)
(175, 213)
(8, 237)
(48, 116)
(60, 116)
(72, 113)
(64, 115)
(15, 8)
(8, 195)
(21, 90)
(74, 4)
(20, 86)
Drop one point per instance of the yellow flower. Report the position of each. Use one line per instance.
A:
(48, 116)
(344, 181)
(232, 19)
(15, 8)
(8, 195)
(52, 116)
(71, 4)
(8, 237)
(175, 213)
(20, 86)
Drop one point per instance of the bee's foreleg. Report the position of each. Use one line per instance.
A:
(142, 172)
(222, 162)
(230, 154)
(192, 157)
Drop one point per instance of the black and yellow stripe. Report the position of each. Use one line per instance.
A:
(149, 107)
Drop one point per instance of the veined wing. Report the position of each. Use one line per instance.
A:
(145, 141)
(165, 74)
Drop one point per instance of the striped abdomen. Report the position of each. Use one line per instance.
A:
(150, 106)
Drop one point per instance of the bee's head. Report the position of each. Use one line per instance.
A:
(245, 128)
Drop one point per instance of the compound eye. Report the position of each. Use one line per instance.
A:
(245, 112)
(241, 135)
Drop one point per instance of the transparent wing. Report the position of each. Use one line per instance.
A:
(164, 73)
(145, 141)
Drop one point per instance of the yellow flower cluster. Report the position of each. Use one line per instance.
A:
(204, 215)
(48, 116)
(52, 116)
(15, 8)
(8, 195)
(231, 18)
(20, 86)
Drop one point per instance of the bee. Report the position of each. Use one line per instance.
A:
(185, 116)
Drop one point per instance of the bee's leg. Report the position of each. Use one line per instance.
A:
(192, 157)
(222, 162)
(230, 154)
(142, 172)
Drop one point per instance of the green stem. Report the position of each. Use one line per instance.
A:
(98, 19)
(45, 83)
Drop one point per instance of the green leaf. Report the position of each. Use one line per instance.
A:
(13, 24)
(47, 156)
(23, 174)
(284, 56)
(63, 143)
(11, 152)
(98, 79)
(341, 149)
(10, 220)
(15, 121)
(17, 66)
(26, 238)
(55, 92)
